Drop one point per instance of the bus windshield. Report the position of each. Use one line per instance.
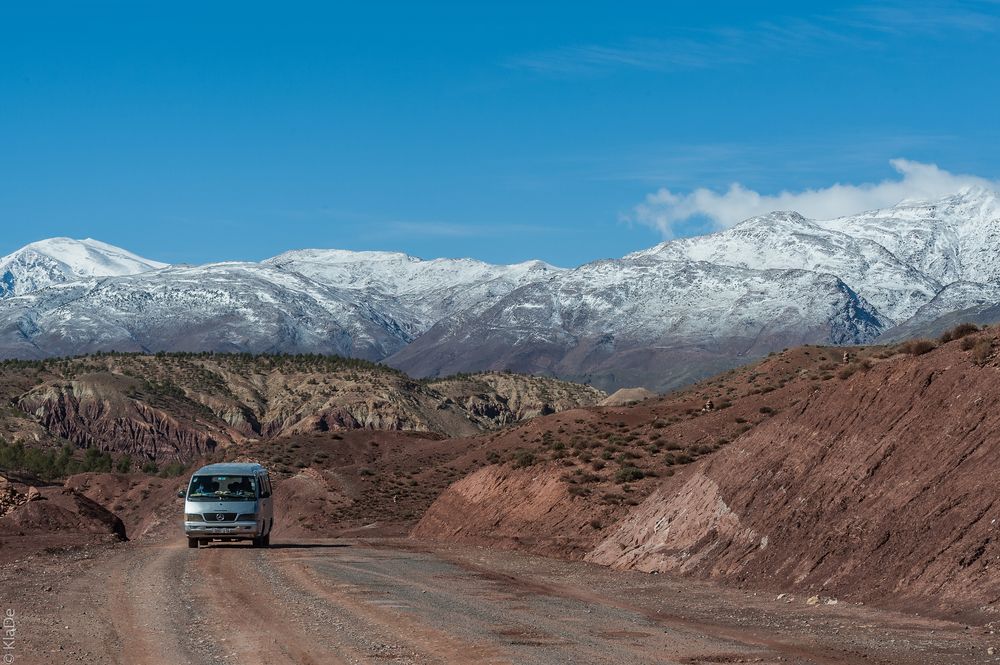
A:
(231, 488)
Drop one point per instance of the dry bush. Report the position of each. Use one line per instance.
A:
(917, 347)
(848, 371)
(958, 332)
(982, 351)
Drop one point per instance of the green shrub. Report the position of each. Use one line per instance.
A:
(124, 464)
(172, 470)
(523, 458)
(628, 474)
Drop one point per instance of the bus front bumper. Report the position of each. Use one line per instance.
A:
(228, 530)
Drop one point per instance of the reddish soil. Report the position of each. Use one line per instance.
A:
(50, 518)
(868, 481)
(147, 505)
(572, 476)
(882, 490)
(401, 601)
(873, 485)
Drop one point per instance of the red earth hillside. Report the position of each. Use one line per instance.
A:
(881, 490)
(878, 484)
(569, 477)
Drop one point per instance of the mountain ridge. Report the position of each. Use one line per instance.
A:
(657, 317)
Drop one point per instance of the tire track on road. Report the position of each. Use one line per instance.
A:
(431, 644)
(145, 607)
(250, 616)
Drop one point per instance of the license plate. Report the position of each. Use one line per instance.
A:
(225, 530)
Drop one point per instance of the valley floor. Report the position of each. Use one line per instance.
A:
(404, 601)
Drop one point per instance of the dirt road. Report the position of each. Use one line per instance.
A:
(398, 601)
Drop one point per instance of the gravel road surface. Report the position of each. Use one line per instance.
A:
(402, 601)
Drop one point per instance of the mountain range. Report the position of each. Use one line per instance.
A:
(659, 318)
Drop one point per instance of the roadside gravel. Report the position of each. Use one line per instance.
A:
(402, 601)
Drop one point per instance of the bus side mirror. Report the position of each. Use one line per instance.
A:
(181, 493)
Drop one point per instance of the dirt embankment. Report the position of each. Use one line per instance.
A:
(33, 518)
(884, 489)
(877, 485)
(568, 478)
(148, 505)
(492, 506)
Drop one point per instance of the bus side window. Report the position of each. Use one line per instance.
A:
(265, 487)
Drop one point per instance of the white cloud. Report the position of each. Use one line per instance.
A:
(666, 210)
(868, 26)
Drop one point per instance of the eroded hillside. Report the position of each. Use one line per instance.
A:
(183, 406)
(565, 479)
(870, 480)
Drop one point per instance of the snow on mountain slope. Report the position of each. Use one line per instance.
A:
(953, 239)
(650, 317)
(221, 307)
(59, 260)
(786, 240)
(656, 318)
(959, 302)
(416, 292)
(589, 323)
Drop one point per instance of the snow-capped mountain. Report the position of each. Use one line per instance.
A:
(415, 292)
(646, 321)
(659, 317)
(233, 307)
(787, 240)
(949, 240)
(60, 260)
(665, 315)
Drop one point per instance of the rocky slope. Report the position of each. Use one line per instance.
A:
(868, 480)
(562, 481)
(180, 407)
(879, 489)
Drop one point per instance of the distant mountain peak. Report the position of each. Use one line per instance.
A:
(978, 192)
(54, 261)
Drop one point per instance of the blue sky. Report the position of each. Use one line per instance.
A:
(191, 132)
